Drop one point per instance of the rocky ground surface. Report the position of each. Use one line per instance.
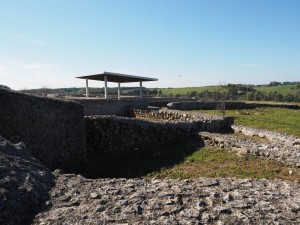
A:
(77, 200)
(24, 184)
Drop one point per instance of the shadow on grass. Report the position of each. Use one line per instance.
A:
(140, 162)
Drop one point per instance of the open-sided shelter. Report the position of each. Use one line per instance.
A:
(116, 78)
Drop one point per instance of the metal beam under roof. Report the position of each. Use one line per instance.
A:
(117, 77)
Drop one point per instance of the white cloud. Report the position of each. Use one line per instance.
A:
(18, 74)
(31, 39)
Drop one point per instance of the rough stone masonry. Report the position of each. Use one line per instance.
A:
(52, 130)
(115, 133)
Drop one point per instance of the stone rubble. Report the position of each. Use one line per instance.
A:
(178, 115)
(272, 136)
(77, 200)
(24, 184)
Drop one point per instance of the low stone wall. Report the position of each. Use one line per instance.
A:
(94, 106)
(163, 102)
(112, 133)
(276, 151)
(192, 105)
(115, 134)
(52, 130)
(272, 136)
(213, 123)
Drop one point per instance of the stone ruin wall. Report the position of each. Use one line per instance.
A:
(278, 137)
(211, 123)
(112, 133)
(163, 101)
(52, 130)
(50, 127)
(192, 105)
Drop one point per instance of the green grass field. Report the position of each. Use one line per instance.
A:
(273, 102)
(274, 119)
(217, 162)
(184, 91)
(284, 89)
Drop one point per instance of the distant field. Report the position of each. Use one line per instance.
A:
(283, 89)
(274, 119)
(183, 91)
(273, 102)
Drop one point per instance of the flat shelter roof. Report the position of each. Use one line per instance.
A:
(117, 77)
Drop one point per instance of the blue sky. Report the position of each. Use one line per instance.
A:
(181, 42)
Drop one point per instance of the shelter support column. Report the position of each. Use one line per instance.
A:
(119, 91)
(141, 90)
(105, 87)
(87, 87)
